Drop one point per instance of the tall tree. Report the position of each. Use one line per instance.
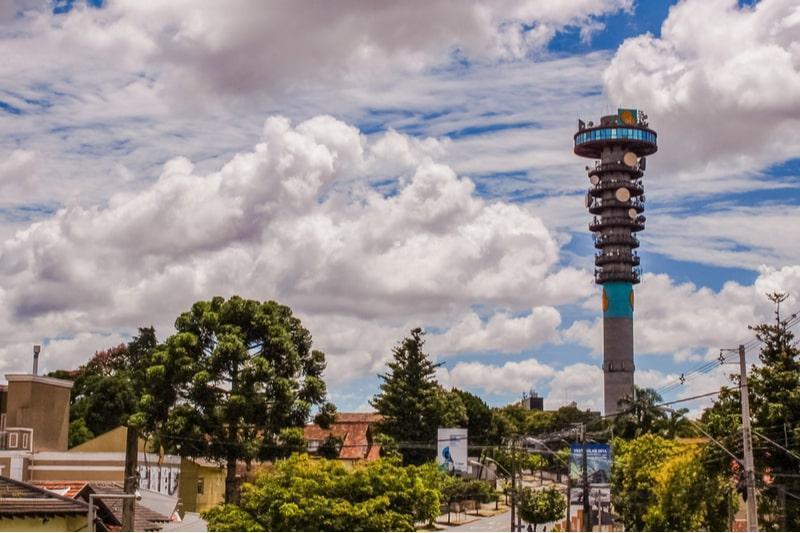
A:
(774, 388)
(412, 403)
(105, 389)
(234, 376)
(639, 414)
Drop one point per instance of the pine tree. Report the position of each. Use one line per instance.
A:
(412, 403)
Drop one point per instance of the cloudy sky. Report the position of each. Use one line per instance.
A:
(379, 166)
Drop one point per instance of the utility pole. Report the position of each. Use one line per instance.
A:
(747, 437)
(587, 511)
(513, 483)
(131, 477)
(569, 500)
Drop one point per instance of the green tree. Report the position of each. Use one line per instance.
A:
(479, 417)
(104, 391)
(687, 497)
(540, 506)
(639, 414)
(774, 387)
(412, 402)
(305, 494)
(234, 376)
(663, 484)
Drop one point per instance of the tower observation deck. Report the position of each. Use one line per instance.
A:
(619, 146)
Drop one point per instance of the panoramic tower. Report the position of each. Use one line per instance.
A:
(618, 145)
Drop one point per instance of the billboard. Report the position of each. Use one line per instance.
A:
(598, 462)
(451, 449)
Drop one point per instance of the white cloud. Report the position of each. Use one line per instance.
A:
(501, 333)
(721, 85)
(271, 224)
(511, 377)
(580, 383)
(686, 321)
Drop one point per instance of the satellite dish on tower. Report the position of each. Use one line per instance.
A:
(630, 159)
(594, 180)
(622, 194)
(632, 213)
(588, 200)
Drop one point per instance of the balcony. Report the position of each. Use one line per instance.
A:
(600, 223)
(607, 257)
(635, 187)
(597, 206)
(602, 275)
(604, 168)
(624, 239)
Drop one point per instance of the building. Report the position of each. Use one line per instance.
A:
(532, 401)
(353, 430)
(34, 430)
(619, 145)
(24, 507)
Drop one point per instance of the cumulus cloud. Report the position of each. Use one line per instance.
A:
(240, 47)
(725, 97)
(511, 377)
(271, 224)
(685, 321)
(503, 332)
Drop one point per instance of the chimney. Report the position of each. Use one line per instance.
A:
(36, 349)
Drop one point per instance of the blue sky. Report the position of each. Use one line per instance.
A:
(396, 167)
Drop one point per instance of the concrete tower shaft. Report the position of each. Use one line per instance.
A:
(616, 199)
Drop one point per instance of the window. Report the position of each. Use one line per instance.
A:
(201, 483)
(12, 440)
(25, 441)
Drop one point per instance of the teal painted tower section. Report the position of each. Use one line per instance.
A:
(618, 299)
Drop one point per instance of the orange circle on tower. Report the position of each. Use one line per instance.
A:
(605, 301)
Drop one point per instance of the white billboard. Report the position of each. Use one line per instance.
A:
(452, 449)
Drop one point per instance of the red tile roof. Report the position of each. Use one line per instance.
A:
(354, 430)
(22, 499)
(70, 489)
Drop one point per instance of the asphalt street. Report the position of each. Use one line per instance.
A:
(501, 522)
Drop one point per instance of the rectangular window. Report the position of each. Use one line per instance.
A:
(12, 440)
(25, 441)
(201, 485)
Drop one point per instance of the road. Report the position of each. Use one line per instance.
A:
(501, 522)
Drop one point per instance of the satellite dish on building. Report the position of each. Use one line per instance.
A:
(622, 194)
(630, 159)
(594, 179)
(632, 213)
(643, 163)
(588, 200)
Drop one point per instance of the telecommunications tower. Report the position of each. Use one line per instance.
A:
(618, 145)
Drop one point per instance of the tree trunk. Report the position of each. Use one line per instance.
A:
(231, 488)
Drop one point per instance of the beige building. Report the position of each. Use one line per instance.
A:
(34, 429)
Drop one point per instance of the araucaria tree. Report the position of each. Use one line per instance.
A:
(412, 402)
(236, 374)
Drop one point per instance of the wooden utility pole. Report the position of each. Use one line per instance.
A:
(747, 437)
(131, 477)
(587, 510)
(569, 500)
